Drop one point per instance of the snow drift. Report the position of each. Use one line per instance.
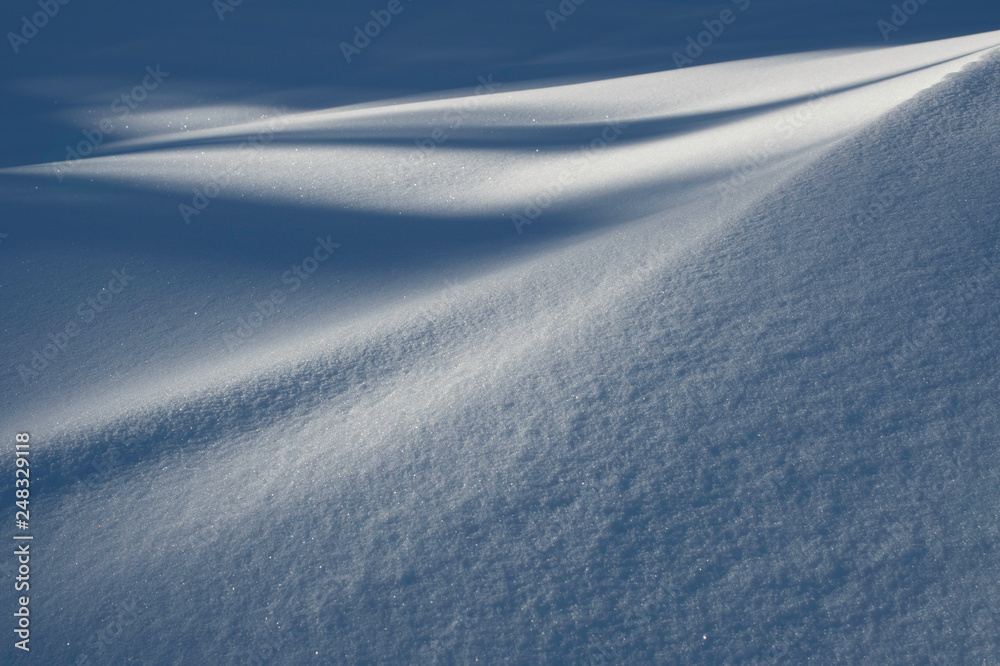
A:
(693, 365)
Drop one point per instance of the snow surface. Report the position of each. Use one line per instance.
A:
(636, 364)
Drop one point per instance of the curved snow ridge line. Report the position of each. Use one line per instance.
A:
(451, 347)
(245, 482)
(305, 405)
(494, 180)
(183, 400)
(399, 382)
(475, 301)
(720, 90)
(460, 128)
(220, 376)
(266, 372)
(468, 129)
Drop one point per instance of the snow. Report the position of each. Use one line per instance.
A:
(507, 343)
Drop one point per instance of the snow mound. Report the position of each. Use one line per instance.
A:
(731, 395)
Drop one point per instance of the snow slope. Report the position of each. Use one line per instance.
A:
(690, 365)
